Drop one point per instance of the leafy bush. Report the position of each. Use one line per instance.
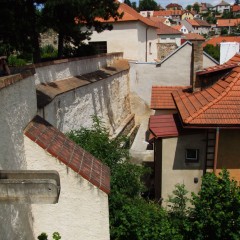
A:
(14, 61)
(48, 51)
(44, 236)
(213, 51)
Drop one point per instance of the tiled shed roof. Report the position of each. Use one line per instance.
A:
(162, 97)
(163, 125)
(166, 13)
(217, 105)
(66, 151)
(193, 36)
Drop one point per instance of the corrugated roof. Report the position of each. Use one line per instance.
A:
(69, 153)
(216, 105)
(162, 96)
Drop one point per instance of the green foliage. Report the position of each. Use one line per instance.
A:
(189, 7)
(48, 51)
(224, 31)
(213, 51)
(216, 211)
(14, 61)
(196, 7)
(148, 5)
(44, 236)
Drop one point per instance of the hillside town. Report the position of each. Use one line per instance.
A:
(155, 88)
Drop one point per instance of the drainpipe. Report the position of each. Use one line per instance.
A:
(216, 151)
(146, 43)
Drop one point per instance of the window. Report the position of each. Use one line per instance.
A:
(192, 156)
(100, 47)
(150, 48)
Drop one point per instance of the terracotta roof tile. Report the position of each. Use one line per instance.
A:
(69, 153)
(193, 36)
(217, 40)
(129, 15)
(228, 22)
(164, 29)
(235, 8)
(163, 125)
(162, 98)
(216, 105)
(166, 13)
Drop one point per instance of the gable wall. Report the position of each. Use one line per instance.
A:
(82, 210)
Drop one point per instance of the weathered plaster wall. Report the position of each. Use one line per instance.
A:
(173, 72)
(82, 210)
(18, 107)
(65, 68)
(108, 98)
(207, 62)
(175, 170)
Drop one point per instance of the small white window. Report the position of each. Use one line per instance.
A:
(192, 156)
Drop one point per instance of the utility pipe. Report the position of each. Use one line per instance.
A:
(216, 151)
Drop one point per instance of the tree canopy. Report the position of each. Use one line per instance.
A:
(148, 5)
(22, 22)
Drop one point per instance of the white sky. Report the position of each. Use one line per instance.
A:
(184, 3)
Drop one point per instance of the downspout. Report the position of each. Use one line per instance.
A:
(216, 151)
(146, 58)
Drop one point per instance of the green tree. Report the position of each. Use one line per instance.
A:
(189, 7)
(196, 7)
(22, 22)
(131, 216)
(148, 5)
(128, 2)
(213, 51)
(216, 211)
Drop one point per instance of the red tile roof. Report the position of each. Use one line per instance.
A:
(235, 8)
(228, 22)
(171, 5)
(193, 36)
(230, 64)
(129, 15)
(217, 105)
(217, 40)
(166, 13)
(164, 29)
(163, 126)
(69, 153)
(177, 27)
(198, 23)
(162, 97)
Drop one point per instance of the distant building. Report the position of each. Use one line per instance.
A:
(174, 6)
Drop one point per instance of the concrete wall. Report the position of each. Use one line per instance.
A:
(18, 107)
(174, 168)
(108, 99)
(82, 210)
(65, 68)
(229, 152)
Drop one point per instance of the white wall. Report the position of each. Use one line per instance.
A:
(18, 107)
(129, 38)
(108, 98)
(228, 50)
(61, 69)
(122, 38)
(170, 39)
(173, 72)
(82, 210)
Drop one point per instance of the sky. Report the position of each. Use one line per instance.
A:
(184, 3)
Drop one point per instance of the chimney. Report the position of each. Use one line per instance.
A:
(197, 63)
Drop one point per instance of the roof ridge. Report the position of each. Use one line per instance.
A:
(204, 108)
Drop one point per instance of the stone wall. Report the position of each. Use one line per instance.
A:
(164, 49)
